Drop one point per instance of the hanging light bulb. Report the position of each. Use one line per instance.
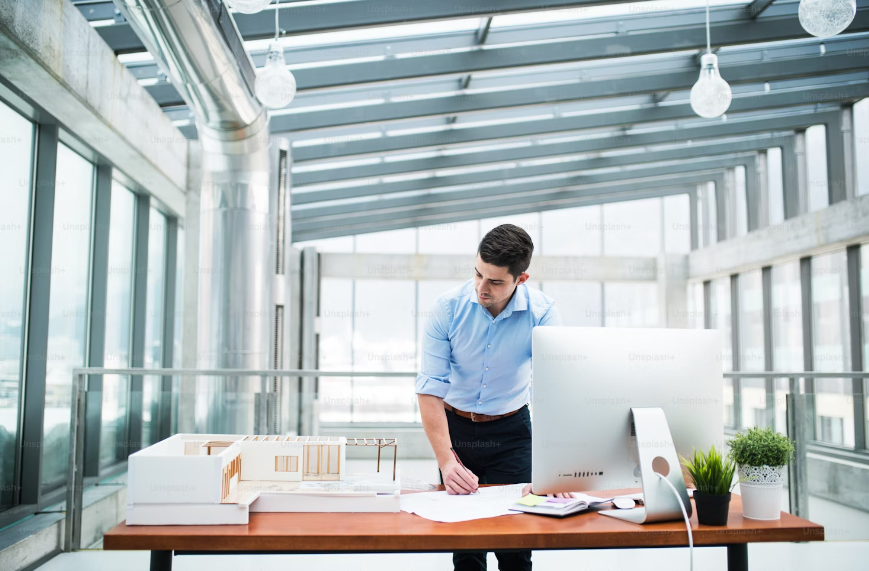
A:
(275, 86)
(825, 18)
(710, 96)
(248, 6)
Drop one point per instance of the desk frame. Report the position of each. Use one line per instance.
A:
(737, 554)
(352, 533)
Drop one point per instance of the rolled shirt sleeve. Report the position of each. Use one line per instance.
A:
(551, 317)
(434, 375)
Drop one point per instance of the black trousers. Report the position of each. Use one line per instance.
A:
(498, 452)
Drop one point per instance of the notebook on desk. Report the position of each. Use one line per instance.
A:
(557, 507)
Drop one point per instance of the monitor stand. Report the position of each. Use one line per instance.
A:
(656, 453)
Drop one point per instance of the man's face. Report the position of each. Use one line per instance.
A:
(494, 284)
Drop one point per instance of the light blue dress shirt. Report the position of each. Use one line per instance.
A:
(476, 362)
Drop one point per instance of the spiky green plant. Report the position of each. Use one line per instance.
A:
(711, 472)
(761, 447)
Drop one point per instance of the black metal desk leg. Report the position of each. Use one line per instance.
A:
(162, 560)
(737, 557)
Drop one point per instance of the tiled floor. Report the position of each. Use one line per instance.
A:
(847, 549)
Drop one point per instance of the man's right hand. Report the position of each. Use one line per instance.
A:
(458, 479)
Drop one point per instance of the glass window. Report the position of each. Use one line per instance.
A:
(571, 232)
(119, 297)
(335, 348)
(631, 304)
(67, 320)
(16, 147)
(719, 318)
(677, 224)
(751, 353)
(816, 167)
(864, 293)
(450, 238)
(787, 332)
(831, 347)
(775, 186)
(861, 146)
(155, 303)
(707, 214)
(578, 302)
(632, 228)
(383, 340)
(751, 350)
(391, 242)
(696, 307)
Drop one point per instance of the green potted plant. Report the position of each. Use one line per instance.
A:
(761, 455)
(712, 475)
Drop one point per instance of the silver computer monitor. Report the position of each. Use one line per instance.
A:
(585, 382)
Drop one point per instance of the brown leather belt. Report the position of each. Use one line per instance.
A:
(480, 417)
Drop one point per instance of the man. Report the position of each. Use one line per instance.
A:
(475, 381)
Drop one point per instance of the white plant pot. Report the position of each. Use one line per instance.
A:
(761, 488)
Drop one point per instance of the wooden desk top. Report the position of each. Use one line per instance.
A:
(385, 532)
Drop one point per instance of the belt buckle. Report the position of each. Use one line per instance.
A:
(474, 417)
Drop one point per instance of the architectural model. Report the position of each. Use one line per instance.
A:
(201, 479)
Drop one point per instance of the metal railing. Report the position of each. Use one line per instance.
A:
(796, 422)
(797, 419)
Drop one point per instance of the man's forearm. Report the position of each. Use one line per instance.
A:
(434, 421)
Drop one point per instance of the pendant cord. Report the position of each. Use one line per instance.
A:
(708, 49)
(277, 29)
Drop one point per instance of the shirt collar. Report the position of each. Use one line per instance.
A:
(516, 303)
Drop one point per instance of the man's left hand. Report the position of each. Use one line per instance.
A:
(527, 490)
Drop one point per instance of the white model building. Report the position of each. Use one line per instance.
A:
(196, 479)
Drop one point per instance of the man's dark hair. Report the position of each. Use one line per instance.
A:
(507, 246)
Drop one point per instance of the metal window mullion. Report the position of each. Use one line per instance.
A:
(801, 172)
(735, 352)
(97, 316)
(692, 220)
(707, 305)
(790, 178)
(768, 348)
(170, 271)
(37, 313)
(838, 159)
(721, 208)
(137, 335)
(808, 342)
(761, 203)
(752, 193)
(855, 314)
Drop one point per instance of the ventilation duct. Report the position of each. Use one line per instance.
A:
(198, 47)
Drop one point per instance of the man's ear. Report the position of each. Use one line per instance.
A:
(523, 277)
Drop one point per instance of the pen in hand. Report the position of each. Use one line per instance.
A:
(462, 465)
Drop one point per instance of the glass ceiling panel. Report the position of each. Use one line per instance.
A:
(604, 11)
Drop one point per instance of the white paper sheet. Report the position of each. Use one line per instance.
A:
(443, 507)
